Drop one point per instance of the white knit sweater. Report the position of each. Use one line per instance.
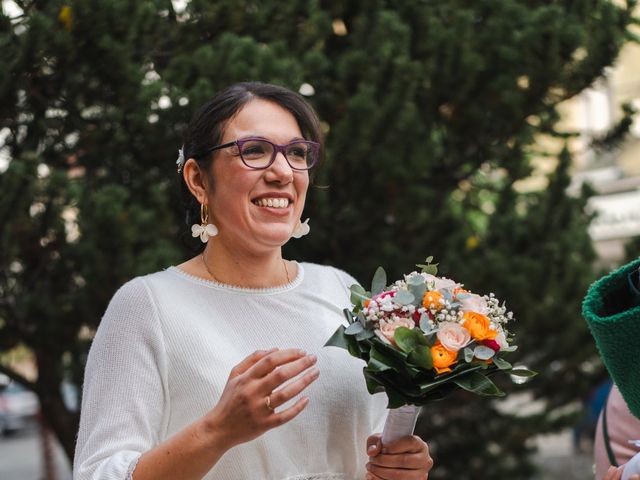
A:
(163, 353)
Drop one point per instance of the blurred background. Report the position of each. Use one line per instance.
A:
(501, 137)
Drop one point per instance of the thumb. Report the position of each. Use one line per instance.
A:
(374, 445)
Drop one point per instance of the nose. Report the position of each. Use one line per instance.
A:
(280, 171)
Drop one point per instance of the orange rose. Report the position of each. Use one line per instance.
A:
(431, 300)
(478, 326)
(442, 358)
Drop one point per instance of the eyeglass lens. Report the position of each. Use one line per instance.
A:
(258, 154)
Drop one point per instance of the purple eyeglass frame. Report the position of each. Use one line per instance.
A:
(276, 148)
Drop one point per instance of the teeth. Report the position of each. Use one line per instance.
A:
(272, 202)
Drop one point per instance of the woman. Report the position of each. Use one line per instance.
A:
(172, 389)
(612, 311)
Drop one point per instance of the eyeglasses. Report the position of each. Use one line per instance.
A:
(258, 153)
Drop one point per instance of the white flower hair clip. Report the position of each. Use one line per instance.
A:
(180, 160)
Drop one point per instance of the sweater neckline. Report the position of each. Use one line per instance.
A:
(234, 288)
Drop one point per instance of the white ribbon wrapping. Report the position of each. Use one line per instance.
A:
(632, 467)
(400, 423)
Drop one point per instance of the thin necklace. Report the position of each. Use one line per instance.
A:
(206, 266)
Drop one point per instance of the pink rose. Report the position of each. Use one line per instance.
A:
(388, 328)
(453, 336)
(474, 303)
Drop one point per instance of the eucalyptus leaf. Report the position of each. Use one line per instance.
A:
(425, 324)
(421, 356)
(364, 335)
(403, 297)
(416, 280)
(379, 281)
(501, 363)
(355, 327)
(482, 352)
(408, 339)
(348, 315)
(468, 355)
(358, 295)
(479, 384)
(429, 259)
(510, 348)
(418, 292)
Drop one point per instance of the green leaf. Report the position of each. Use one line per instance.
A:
(338, 339)
(523, 372)
(501, 363)
(421, 356)
(378, 362)
(479, 384)
(408, 339)
(403, 297)
(379, 281)
(429, 259)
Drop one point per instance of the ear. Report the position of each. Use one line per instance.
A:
(196, 180)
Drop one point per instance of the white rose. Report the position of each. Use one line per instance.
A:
(453, 336)
(474, 303)
(439, 283)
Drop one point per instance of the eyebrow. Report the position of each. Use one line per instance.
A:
(262, 137)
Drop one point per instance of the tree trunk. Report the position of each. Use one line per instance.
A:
(63, 422)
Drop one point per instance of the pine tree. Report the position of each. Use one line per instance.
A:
(431, 108)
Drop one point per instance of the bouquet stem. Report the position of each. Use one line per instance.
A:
(400, 423)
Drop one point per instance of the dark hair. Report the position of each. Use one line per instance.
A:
(207, 126)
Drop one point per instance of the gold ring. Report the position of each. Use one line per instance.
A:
(267, 402)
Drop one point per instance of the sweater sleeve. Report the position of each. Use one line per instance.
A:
(124, 392)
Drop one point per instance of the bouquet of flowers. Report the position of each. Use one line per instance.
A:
(424, 337)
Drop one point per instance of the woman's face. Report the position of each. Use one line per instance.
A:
(238, 199)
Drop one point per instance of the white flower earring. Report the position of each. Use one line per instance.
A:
(205, 229)
(301, 229)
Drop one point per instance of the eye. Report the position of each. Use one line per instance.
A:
(297, 151)
(255, 149)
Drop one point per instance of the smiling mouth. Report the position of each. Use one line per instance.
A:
(272, 202)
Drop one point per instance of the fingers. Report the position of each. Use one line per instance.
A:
(249, 361)
(613, 473)
(375, 472)
(286, 393)
(406, 458)
(408, 444)
(273, 360)
(288, 371)
(374, 445)
(280, 418)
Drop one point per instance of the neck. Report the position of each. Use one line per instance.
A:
(245, 270)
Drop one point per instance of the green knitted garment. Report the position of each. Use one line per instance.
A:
(613, 315)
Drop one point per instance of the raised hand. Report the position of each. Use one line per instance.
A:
(257, 386)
